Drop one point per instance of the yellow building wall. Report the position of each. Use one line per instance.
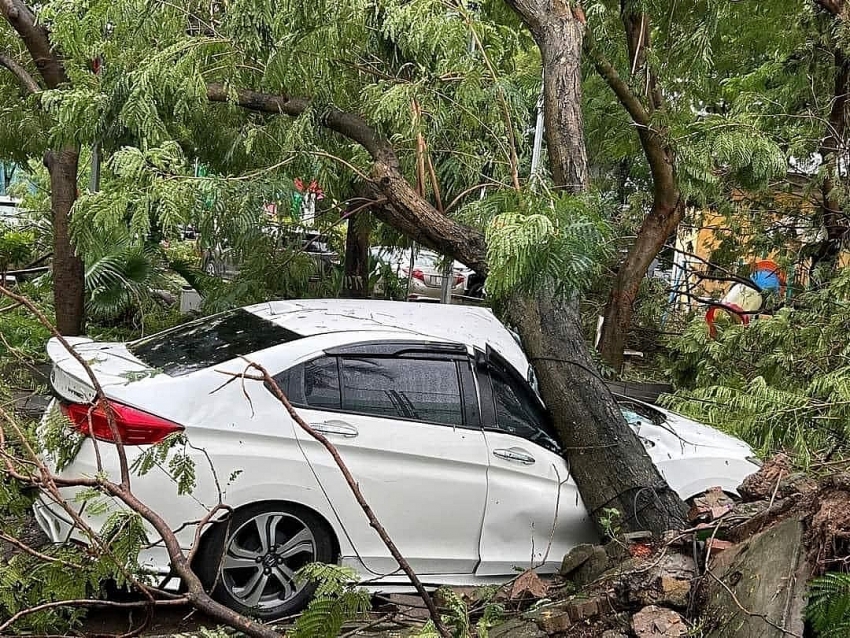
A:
(707, 230)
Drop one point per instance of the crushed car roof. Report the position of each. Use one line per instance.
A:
(469, 325)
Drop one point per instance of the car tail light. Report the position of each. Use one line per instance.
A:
(458, 280)
(416, 274)
(134, 427)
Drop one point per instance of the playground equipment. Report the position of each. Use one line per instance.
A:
(744, 300)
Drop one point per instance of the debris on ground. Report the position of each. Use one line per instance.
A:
(776, 479)
(740, 570)
(828, 523)
(757, 588)
(528, 585)
(657, 622)
(585, 563)
(714, 504)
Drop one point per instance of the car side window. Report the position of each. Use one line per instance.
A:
(314, 384)
(518, 413)
(408, 388)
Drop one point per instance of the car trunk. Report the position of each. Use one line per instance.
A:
(111, 363)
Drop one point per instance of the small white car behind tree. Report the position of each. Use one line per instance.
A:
(430, 407)
(424, 280)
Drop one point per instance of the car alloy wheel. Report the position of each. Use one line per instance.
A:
(252, 559)
(262, 556)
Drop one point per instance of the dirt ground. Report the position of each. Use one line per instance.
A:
(166, 622)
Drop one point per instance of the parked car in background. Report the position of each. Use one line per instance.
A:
(224, 261)
(9, 211)
(428, 404)
(426, 277)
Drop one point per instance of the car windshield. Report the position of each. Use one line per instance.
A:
(208, 342)
(635, 413)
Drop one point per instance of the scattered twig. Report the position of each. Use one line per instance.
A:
(272, 385)
(367, 626)
(202, 524)
(98, 389)
(776, 489)
(708, 545)
(34, 552)
(88, 602)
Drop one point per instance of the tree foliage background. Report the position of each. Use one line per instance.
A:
(749, 91)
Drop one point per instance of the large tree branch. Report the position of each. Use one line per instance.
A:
(656, 151)
(26, 80)
(667, 208)
(621, 89)
(347, 124)
(407, 210)
(37, 41)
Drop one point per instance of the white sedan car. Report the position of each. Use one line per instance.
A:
(428, 405)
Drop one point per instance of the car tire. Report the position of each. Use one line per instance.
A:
(248, 563)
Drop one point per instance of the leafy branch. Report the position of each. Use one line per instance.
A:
(41, 477)
(269, 381)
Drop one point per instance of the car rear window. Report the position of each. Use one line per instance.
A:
(209, 341)
(428, 260)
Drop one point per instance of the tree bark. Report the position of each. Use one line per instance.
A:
(27, 81)
(560, 47)
(657, 226)
(558, 30)
(68, 274)
(589, 423)
(356, 276)
(35, 37)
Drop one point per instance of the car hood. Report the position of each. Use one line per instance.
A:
(693, 434)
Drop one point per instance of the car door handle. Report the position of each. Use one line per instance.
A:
(337, 428)
(515, 454)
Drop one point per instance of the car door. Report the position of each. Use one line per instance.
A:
(405, 421)
(534, 513)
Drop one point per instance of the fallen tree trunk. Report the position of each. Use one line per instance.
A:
(588, 421)
(607, 460)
